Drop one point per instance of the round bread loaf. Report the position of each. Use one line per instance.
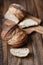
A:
(19, 38)
(15, 37)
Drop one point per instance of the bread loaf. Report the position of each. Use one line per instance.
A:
(16, 37)
(19, 38)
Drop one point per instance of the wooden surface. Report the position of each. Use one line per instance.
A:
(35, 43)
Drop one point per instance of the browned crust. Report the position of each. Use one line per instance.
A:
(20, 14)
(8, 35)
(34, 18)
(23, 42)
(18, 8)
(8, 22)
(4, 31)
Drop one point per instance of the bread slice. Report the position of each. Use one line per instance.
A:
(29, 21)
(20, 52)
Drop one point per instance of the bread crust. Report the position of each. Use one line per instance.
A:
(16, 37)
(8, 22)
(4, 31)
(19, 38)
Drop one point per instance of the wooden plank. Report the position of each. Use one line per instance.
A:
(1, 6)
(4, 44)
(30, 7)
(42, 40)
(22, 2)
(37, 60)
(1, 50)
(6, 5)
(1, 53)
(39, 48)
(39, 7)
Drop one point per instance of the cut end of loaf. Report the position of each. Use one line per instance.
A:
(11, 17)
(15, 13)
(27, 23)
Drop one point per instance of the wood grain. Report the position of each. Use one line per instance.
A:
(1, 50)
(35, 42)
(4, 44)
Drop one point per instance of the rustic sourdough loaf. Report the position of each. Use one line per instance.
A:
(19, 38)
(15, 37)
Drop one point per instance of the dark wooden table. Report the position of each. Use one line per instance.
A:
(35, 43)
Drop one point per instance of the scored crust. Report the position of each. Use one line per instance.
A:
(18, 39)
